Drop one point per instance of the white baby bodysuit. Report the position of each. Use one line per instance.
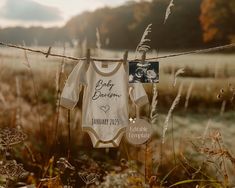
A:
(105, 100)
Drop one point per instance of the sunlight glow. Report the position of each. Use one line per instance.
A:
(67, 10)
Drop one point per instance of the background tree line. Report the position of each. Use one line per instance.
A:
(192, 24)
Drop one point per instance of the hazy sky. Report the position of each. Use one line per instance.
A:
(46, 12)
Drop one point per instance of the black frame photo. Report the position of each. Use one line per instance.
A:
(143, 72)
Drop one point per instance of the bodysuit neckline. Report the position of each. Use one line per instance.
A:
(106, 73)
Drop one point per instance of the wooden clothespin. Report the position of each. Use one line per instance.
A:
(48, 52)
(88, 56)
(143, 57)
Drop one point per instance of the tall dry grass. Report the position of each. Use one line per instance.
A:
(58, 154)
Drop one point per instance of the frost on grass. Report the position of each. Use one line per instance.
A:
(168, 10)
(174, 104)
(143, 46)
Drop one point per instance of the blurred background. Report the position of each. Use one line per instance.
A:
(199, 142)
(193, 24)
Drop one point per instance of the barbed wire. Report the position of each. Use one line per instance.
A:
(48, 53)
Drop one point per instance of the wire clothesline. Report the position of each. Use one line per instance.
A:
(48, 53)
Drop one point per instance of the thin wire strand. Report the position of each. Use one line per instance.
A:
(48, 53)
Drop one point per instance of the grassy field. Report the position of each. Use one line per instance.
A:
(198, 144)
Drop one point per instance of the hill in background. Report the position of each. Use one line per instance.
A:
(122, 27)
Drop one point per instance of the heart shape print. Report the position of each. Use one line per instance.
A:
(105, 108)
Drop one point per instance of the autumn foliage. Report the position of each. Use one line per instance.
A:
(217, 20)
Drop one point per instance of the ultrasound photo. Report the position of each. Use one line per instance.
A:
(143, 72)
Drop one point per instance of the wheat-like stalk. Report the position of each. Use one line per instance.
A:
(153, 113)
(84, 46)
(222, 109)
(168, 10)
(2, 98)
(26, 59)
(17, 86)
(206, 130)
(38, 107)
(169, 114)
(190, 88)
(178, 72)
(98, 41)
(18, 109)
(26, 62)
(59, 73)
(142, 46)
(57, 77)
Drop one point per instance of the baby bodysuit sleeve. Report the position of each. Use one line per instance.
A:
(138, 94)
(73, 86)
